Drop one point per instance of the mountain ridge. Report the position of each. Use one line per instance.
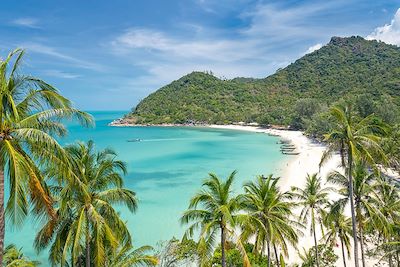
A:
(346, 66)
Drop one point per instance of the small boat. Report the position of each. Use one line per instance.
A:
(134, 140)
(288, 149)
(290, 153)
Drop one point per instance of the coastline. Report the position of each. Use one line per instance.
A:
(297, 166)
(292, 171)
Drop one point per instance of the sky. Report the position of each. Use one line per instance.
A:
(108, 55)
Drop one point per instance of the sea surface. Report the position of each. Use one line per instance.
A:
(165, 169)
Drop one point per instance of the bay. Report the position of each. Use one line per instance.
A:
(165, 169)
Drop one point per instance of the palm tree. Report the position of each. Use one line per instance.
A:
(386, 199)
(211, 210)
(338, 227)
(313, 197)
(13, 257)
(268, 216)
(354, 139)
(30, 115)
(365, 210)
(86, 219)
(128, 257)
(306, 257)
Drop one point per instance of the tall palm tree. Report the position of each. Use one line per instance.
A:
(13, 257)
(366, 211)
(386, 199)
(313, 197)
(354, 138)
(86, 219)
(128, 257)
(212, 210)
(30, 115)
(268, 216)
(338, 227)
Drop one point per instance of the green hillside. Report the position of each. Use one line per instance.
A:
(345, 67)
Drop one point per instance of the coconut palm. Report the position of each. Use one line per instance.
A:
(313, 197)
(30, 114)
(87, 224)
(306, 257)
(353, 139)
(212, 210)
(366, 211)
(386, 199)
(128, 257)
(268, 216)
(338, 227)
(13, 257)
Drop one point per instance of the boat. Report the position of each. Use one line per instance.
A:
(291, 153)
(134, 140)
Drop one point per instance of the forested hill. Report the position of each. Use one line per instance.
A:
(368, 71)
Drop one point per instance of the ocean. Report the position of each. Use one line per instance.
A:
(165, 169)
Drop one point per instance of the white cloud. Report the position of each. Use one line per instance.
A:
(159, 43)
(313, 48)
(389, 33)
(50, 51)
(252, 50)
(280, 23)
(61, 74)
(26, 22)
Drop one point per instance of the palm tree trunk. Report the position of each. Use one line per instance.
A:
(397, 258)
(390, 256)
(360, 231)
(276, 256)
(353, 214)
(269, 254)
(223, 238)
(343, 253)
(315, 244)
(2, 223)
(87, 241)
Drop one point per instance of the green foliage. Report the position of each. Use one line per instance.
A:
(30, 115)
(268, 216)
(177, 253)
(346, 67)
(86, 221)
(234, 257)
(212, 211)
(13, 257)
(128, 257)
(328, 257)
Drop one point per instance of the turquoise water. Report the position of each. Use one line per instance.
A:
(166, 169)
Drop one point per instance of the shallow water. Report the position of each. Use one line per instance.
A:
(165, 169)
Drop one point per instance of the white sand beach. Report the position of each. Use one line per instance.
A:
(295, 172)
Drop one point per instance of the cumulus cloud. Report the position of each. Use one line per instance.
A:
(389, 33)
(313, 48)
(26, 22)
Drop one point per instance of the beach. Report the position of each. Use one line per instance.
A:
(294, 172)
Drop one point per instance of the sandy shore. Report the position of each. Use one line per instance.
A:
(294, 174)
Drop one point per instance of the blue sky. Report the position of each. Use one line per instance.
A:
(107, 55)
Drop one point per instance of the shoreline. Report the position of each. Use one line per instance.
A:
(293, 172)
(306, 162)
